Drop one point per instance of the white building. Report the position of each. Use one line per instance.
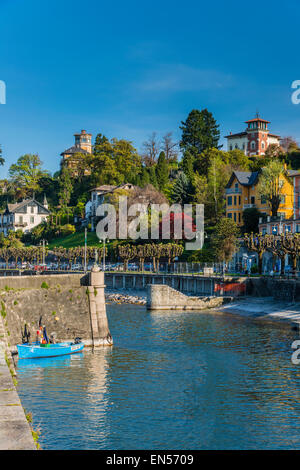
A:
(97, 198)
(255, 139)
(23, 215)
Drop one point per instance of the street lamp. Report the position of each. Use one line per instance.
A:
(42, 243)
(104, 239)
(85, 245)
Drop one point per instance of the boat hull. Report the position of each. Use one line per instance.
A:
(35, 350)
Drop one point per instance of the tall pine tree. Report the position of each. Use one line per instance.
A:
(200, 131)
(162, 171)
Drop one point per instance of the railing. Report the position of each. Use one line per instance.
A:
(233, 191)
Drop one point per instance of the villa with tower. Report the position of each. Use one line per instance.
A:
(255, 139)
(83, 145)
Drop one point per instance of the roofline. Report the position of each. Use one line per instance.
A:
(234, 135)
(257, 119)
(22, 203)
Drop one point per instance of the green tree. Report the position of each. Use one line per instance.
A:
(26, 173)
(187, 164)
(271, 183)
(114, 162)
(143, 178)
(65, 187)
(126, 159)
(100, 141)
(2, 161)
(200, 131)
(225, 239)
(181, 192)
(162, 172)
(251, 219)
(217, 177)
(152, 176)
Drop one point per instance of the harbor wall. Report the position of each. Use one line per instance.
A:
(163, 297)
(70, 305)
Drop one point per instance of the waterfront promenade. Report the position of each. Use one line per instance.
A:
(15, 432)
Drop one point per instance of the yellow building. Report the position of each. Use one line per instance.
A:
(242, 193)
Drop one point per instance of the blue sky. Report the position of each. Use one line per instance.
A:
(126, 69)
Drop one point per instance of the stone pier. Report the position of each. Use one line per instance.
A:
(163, 297)
(99, 325)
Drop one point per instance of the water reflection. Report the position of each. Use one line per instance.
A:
(181, 380)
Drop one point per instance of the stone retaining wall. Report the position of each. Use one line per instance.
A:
(64, 311)
(279, 289)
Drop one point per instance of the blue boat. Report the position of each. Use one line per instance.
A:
(37, 350)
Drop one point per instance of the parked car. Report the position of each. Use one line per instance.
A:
(40, 267)
(133, 267)
(76, 267)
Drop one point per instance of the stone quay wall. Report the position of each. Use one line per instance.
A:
(70, 305)
(163, 297)
(279, 289)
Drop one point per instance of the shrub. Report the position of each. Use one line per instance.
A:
(44, 285)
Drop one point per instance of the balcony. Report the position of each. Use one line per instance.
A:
(21, 224)
(233, 191)
(248, 206)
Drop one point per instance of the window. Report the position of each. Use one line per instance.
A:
(263, 200)
(32, 220)
(262, 145)
(297, 228)
(230, 147)
(236, 186)
(274, 229)
(229, 201)
(239, 216)
(264, 231)
(32, 209)
(239, 200)
(236, 146)
(253, 145)
(20, 219)
(252, 200)
(234, 200)
(287, 228)
(234, 216)
(229, 215)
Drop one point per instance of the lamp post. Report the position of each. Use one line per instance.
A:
(42, 243)
(104, 240)
(85, 245)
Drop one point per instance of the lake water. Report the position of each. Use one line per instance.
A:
(172, 380)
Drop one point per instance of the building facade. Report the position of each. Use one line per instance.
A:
(254, 140)
(286, 222)
(97, 198)
(23, 215)
(83, 145)
(241, 193)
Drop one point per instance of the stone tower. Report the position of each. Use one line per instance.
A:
(84, 141)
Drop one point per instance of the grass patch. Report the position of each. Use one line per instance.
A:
(3, 311)
(75, 239)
